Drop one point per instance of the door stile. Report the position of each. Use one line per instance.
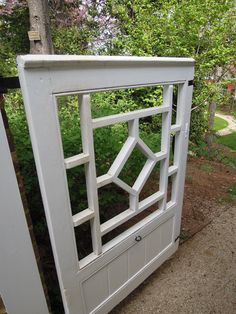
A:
(184, 103)
(165, 142)
(49, 159)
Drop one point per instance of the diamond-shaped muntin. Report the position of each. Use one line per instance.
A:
(144, 174)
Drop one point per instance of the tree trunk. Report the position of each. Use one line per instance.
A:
(211, 119)
(39, 22)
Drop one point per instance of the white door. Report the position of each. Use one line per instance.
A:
(102, 279)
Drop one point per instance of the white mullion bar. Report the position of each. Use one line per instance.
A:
(127, 116)
(76, 160)
(122, 157)
(150, 200)
(172, 170)
(90, 169)
(129, 213)
(175, 128)
(160, 155)
(82, 217)
(124, 186)
(145, 149)
(116, 221)
(144, 175)
(104, 180)
(134, 128)
(165, 142)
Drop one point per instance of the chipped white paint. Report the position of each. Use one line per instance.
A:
(102, 279)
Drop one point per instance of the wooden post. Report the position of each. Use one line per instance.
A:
(20, 285)
(22, 192)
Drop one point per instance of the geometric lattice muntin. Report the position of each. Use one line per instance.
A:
(112, 176)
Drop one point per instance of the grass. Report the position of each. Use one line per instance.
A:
(220, 124)
(228, 140)
(232, 190)
(229, 198)
(207, 168)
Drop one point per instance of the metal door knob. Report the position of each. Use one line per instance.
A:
(138, 238)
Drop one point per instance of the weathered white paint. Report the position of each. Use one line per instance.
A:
(20, 284)
(102, 279)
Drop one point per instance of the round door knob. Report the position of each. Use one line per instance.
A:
(138, 238)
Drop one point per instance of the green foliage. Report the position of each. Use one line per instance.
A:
(230, 196)
(220, 124)
(71, 40)
(232, 190)
(204, 30)
(13, 38)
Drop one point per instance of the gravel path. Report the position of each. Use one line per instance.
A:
(199, 279)
(230, 128)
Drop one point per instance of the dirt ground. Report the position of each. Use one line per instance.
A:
(207, 185)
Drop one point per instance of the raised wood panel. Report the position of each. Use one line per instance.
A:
(95, 289)
(118, 272)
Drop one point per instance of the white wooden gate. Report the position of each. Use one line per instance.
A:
(98, 282)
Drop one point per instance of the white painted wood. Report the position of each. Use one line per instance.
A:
(124, 186)
(76, 160)
(122, 157)
(118, 272)
(129, 213)
(150, 200)
(141, 265)
(144, 175)
(83, 216)
(133, 126)
(116, 221)
(20, 284)
(43, 78)
(91, 263)
(181, 147)
(96, 290)
(160, 155)
(165, 142)
(94, 73)
(145, 149)
(175, 128)
(90, 169)
(104, 180)
(127, 116)
(41, 112)
(172, 170)
(136, 258)
(46, 61)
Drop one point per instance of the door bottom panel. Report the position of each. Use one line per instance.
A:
(110, 284)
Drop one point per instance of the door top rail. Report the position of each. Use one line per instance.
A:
(42, 61)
